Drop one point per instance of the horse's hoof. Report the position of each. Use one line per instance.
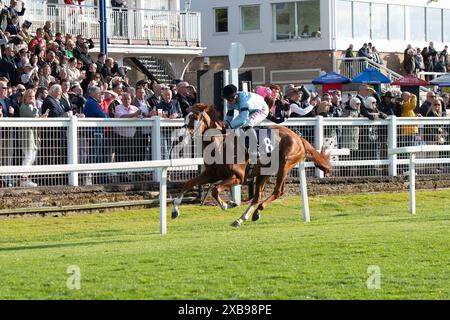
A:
(256, 216)
(224, 206)
(236, 224)
(175, 213)
(232, 204)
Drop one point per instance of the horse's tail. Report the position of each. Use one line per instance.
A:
(321, 160)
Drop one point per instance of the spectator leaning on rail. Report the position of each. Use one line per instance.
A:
(29, 137)
(408, 132)
(350, 133)
(125, 136)
(92, 110)
(435, 134)
(389, 105)
(298, 102)
(144, 133)
(277, 109)
(426, 105)
(369, 110)
(186, 96)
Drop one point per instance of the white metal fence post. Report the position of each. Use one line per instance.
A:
(163, 201)
(304, 192)
(392, 143)
(318, 139)
(412, 183)
(156, 144)
(72, 148)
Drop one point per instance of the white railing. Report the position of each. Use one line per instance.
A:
(88, 141)
(413, 151)
(132, 24)
(350, 67)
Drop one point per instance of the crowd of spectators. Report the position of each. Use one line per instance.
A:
(65, 79)
(427, 59)
(415, 60)
(48, 74)
(368, 141)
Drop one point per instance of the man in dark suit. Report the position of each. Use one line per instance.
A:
(6, 151)
(54, 142)
(8, 67)
(5, 102)
(52, 104)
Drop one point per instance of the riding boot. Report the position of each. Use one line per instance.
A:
(251, 144)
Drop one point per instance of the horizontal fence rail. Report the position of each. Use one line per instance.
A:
(43, 145)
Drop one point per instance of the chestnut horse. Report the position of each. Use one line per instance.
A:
(292, 149)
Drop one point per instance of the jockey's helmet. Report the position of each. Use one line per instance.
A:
(229, 91)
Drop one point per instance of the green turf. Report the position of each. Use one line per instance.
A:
(121, 255)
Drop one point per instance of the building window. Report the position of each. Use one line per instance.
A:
(221, 17)
(361, 20)
(295, 20)
(434, 24)
(344, 19)
(308, 17)
(396, 22)
(446, 20)
(379, 21)
(416, 23)
(250, 18)
(284, 21)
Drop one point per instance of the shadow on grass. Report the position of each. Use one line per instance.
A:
(63, 245)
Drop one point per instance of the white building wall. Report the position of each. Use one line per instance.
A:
(262, 42)
(255, 42)
(386, 45)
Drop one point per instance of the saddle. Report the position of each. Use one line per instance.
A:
(265, 142)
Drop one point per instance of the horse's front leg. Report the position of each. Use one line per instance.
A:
(225, 185)
(260, 182)
(204, 177)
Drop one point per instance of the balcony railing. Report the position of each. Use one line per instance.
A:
(123, 25)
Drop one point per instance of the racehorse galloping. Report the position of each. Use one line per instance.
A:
(292, 150)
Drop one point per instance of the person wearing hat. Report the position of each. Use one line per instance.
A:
(252, 111)
(389, 106)
(298, 107)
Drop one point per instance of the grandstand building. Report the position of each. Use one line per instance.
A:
(291, 41)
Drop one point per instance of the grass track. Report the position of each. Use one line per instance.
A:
(122, 256)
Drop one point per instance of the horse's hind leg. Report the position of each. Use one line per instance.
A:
(277, 192)
(260, 182)
(203, 178)
(224, 185)
(256, 215)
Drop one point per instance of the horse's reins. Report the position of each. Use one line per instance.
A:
(197, 125)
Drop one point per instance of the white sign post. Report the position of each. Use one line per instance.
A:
(236, 57)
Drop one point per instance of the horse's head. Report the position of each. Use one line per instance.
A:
(200, 118)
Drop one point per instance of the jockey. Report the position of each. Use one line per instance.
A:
(252, 111)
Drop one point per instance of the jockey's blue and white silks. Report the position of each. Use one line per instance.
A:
(252, 110)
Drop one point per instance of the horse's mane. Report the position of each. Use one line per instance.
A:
(211, 110)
